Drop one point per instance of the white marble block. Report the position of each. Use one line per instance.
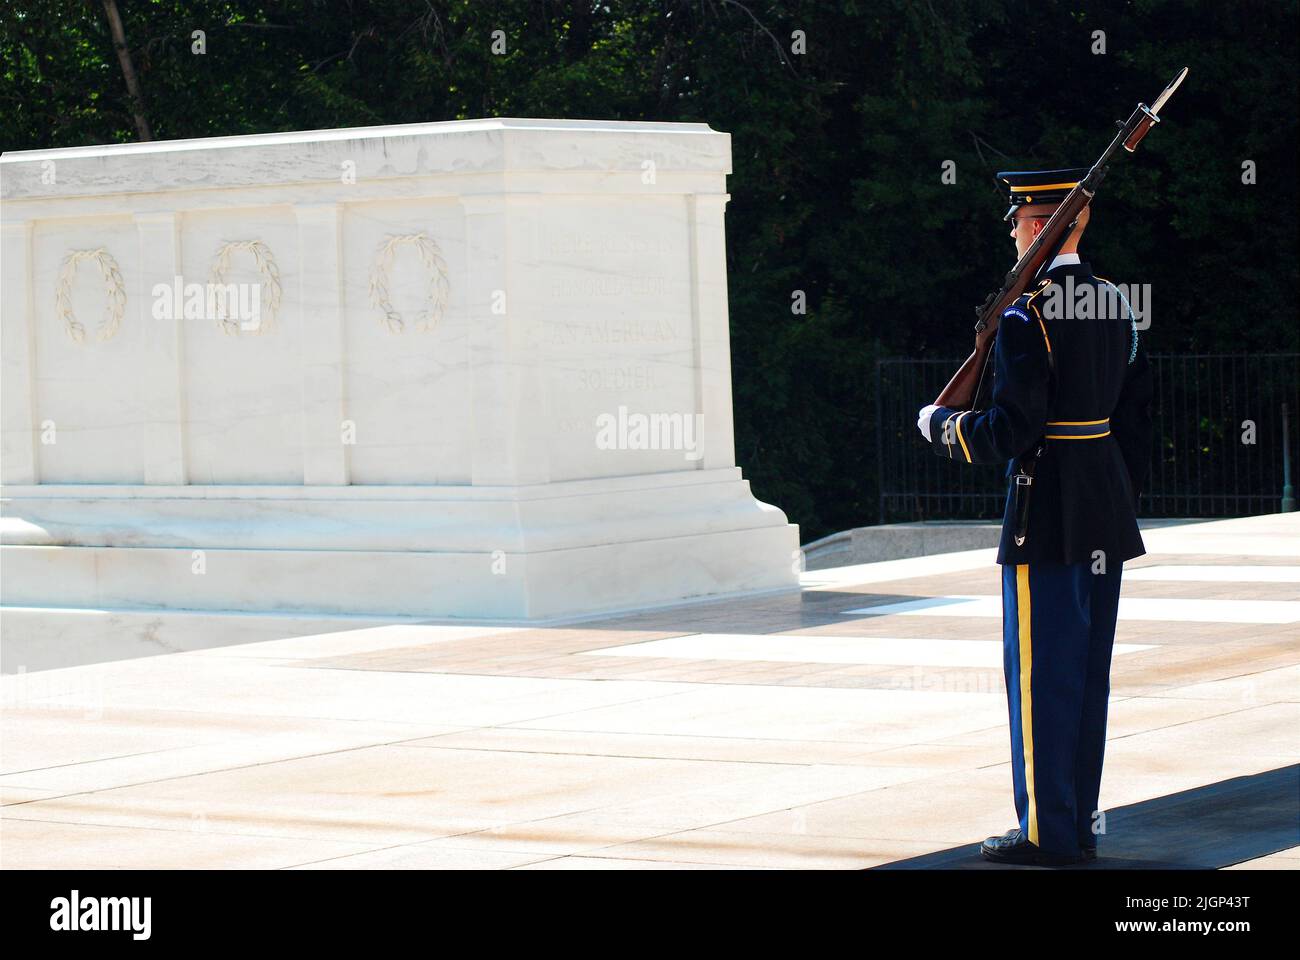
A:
(476, 369)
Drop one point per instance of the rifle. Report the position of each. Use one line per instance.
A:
(969, 384)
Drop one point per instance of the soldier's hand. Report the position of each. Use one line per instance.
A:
(923, 420)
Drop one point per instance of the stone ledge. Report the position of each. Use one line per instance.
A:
(896, 541)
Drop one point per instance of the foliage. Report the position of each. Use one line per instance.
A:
(837, 154)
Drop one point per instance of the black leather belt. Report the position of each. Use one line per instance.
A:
(1023, 478)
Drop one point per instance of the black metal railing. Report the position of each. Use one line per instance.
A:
(1218, 449)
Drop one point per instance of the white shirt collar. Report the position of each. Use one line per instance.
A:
(1062, 259)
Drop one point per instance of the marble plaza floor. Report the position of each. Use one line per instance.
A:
(861, 723)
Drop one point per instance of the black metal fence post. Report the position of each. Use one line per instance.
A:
(1288, 491)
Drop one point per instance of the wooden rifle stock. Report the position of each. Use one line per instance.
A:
(966, 388)
(960, 392)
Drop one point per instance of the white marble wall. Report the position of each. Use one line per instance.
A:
(538, 275)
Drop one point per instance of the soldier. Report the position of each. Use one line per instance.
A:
(1070, 415)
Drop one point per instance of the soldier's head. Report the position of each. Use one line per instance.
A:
(1027, 222)
(1033, 196)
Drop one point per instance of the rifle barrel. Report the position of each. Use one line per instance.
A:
(961, 389)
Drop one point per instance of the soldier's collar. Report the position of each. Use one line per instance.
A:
(1077, 268)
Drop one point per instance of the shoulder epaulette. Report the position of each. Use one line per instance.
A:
(1042, 285)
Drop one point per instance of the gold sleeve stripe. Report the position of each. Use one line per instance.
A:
(964, 449)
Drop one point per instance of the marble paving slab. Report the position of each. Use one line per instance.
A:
(776, 732)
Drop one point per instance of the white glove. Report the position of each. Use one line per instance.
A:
(923, 420)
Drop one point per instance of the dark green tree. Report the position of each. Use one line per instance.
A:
(838, 151)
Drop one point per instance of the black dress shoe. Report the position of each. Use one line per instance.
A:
(1012, 847)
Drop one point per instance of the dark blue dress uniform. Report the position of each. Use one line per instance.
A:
(1082, 387)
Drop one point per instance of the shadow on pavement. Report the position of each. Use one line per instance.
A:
(1206, 828)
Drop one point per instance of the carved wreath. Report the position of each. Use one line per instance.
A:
(265, 266)
(115, 291)
(431, 257)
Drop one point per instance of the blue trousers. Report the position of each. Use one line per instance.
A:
(1058, 631)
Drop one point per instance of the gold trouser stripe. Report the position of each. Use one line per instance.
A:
(1075, 436)
(1026, 644)
(961, 438)
(1076, 423)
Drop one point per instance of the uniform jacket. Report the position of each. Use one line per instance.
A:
(1085, 491)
